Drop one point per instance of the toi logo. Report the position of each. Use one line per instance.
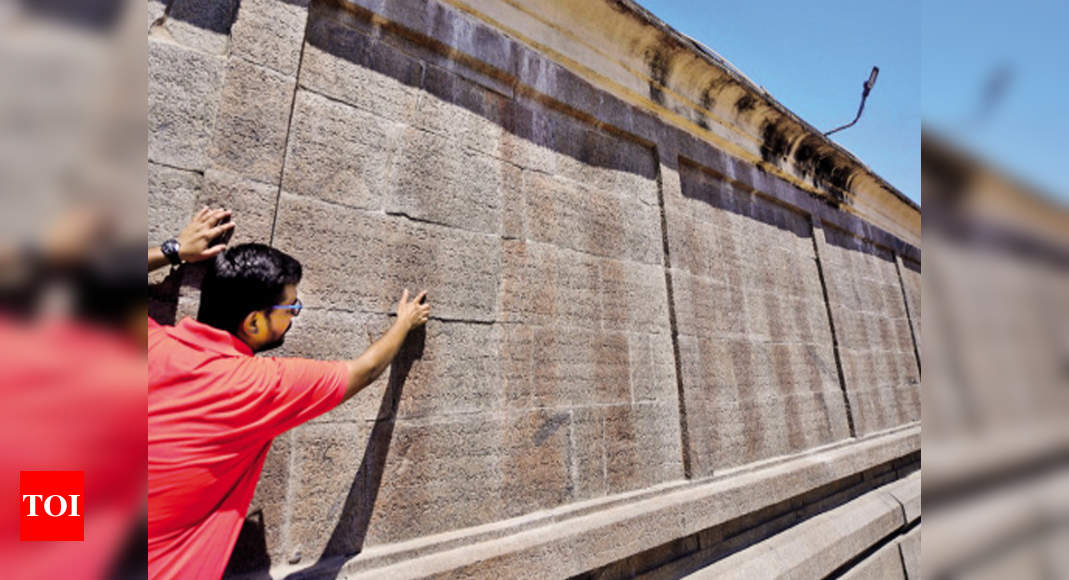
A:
(51, 506)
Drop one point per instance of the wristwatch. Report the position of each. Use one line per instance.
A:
(170, 250)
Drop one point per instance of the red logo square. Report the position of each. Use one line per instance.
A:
(51, 506)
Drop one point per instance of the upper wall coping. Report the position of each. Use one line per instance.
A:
(623, 49)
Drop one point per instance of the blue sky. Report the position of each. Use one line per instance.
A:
(814, 57)
(1026, 132)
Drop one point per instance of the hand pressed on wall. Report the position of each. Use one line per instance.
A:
(414, 313)
(197, 237)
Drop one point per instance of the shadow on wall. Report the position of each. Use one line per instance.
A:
(846, 241)
(347, 539)
(163, 296)
(214, 15)
(719, 192)
(250, 558)
(345, 31)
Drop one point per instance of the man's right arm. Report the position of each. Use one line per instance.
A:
(364, 369)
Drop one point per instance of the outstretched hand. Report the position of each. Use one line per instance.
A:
(198, 235)
(413, 313)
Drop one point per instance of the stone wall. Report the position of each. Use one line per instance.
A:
(661, 317)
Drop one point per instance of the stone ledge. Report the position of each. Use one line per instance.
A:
(580, 537)
(824, 543)
(882, 564)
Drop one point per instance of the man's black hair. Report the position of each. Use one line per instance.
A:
(244, 279)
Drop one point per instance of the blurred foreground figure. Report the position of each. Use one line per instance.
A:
(72, 299)
(72, 395)
(996, 362)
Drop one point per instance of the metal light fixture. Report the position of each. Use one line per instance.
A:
(867, 87)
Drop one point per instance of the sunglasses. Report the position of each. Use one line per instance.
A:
(295, 307)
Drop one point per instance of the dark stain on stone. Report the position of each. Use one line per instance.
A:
(804, 155)
(708, 100)
(823, 165)
(816, 161)
(657, 66)
(549, 428)
(214, 16)
(745, 103)
(774, 142)
(841, 176)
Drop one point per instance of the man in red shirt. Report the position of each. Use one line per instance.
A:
(214, 408)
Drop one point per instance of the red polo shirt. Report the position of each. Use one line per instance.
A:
(213, 410)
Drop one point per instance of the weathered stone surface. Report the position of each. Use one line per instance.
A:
(700, 246)
(202, 25)
(606, 162)
(270, 32)
(553, 142)
(653, 373)
(705, 307)
(354, 260)
(641, 446)
(254, 113)
(517, 366)
(252, 204)
(747, 401)
(184, 88)
(884, 563)
(514, 210)
(544, 285)
(156, 9)
(189, 291)
(910, 547)
(908, 493)
(339, 153)
(452, 474)
(172, 195)
(438, 180)
(458, 372)
(328, 458)
(578, 285)
(341, 250)
(575, 366)
(568, 214)
(446, 24)
(588, 452)
(535, 462)
(269, 502)
(586, 541)
(348, 65)
(634, 297)
(867, 304)
(911, 282)
(528, 292)
(466, 112)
